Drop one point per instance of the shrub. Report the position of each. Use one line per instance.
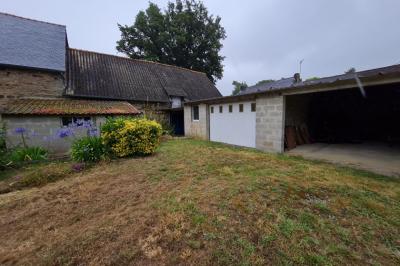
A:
(125, 137)
(28, 154)
(88, 149)
(3, 146)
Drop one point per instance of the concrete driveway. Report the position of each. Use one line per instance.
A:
(375, 157)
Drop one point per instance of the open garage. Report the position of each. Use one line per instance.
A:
(350, 119)
(359, 126)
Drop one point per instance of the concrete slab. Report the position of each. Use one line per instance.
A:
(375, 157)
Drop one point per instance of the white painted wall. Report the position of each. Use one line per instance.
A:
(233, 128)
(176, 102)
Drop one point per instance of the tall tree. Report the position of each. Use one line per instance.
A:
(183, 35)
(238, 86)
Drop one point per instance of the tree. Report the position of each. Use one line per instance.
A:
(265, 81)
(350, 71)
(312, 78)
(183, 35)
(238, 86)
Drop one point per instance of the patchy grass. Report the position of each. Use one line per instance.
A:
(196, 202)
(34, 175)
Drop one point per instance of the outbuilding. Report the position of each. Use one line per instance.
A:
(351, 118)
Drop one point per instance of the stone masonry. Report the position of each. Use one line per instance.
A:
(270, 121)
(18, 83)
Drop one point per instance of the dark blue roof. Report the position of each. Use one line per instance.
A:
(32, 44)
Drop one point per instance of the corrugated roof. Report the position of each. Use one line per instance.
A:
(31, 43)
(349, 79)
(68, 107)
(274, 85)
(97, 75)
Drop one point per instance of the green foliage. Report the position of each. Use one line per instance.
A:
(238, 86)
(3, 146)
(28, 154)
(88, 149)
(265, 81)
(184, 35)
(350, 70)
(126, 136)
(312, 78)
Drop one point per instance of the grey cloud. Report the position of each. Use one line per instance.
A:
(266, 39)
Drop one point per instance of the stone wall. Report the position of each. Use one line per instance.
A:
(42, 131)
(270, 122)
(18, 83)
(200, 128)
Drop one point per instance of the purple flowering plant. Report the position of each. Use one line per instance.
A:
(21, 131)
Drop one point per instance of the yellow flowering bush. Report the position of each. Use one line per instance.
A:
(125, 137)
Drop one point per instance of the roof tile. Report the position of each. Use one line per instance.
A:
(68, 107)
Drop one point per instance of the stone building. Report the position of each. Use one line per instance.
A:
(45, 85)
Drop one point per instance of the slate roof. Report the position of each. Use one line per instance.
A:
(32, 44)
(96, 75)
(68, 107)
(274, 85)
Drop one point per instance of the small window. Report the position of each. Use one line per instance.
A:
(230, 108)
(195, 113)
(220, 108)
(241, 108)
(212, 109)
(67, 121)
(253, 107)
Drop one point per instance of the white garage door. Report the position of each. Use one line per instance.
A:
(233, 123)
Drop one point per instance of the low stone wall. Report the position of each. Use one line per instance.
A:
(270, 122)
(200, 128)
(42, 131)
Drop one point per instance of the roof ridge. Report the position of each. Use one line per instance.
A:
(138, 60)
(34, 20)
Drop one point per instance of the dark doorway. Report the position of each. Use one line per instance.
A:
(344, 116)
(177, 122)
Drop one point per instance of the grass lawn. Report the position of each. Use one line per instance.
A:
(202, 203)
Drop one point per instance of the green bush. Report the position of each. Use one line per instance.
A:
(3, 147)
(27, 154)
(4, 160)
(88, 149)
(126, 136)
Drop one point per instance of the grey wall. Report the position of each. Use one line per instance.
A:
(270, 122)
(200, 128)
(41, 131)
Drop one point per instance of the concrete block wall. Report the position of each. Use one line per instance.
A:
(270, 123)
(200, 128)
(41, 131)
(18, 83)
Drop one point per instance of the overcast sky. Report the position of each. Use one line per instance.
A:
(265, 38)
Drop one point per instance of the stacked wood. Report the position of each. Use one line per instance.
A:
(297, 135)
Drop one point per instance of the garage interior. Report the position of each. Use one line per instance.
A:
(357, 127)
